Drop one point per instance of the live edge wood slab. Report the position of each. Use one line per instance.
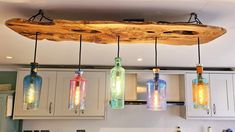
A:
(106, 32)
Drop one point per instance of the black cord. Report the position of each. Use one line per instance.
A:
(118, 51)
(156, 52)
(80, 53)
(199, 52)
(35, 48)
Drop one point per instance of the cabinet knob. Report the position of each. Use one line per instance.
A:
(50, 107)
(82, 111)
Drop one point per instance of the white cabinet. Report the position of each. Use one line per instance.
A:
(190, 110)
(46, 107)
(222, 95)
(222, 101)
(55, 96)
(95, 95)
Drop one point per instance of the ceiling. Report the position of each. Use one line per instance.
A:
(217, 53)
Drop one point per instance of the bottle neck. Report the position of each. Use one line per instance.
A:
(118, 62)
(79, 73)
(156, 76)
(199, 77)
(34, 67)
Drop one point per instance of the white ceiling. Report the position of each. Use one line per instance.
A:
(218, 53)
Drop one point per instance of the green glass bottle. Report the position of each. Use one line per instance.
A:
(117, 85)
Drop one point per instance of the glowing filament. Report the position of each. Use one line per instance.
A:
(77, 96)
(201, 94)
(156, 98)
(118, 85)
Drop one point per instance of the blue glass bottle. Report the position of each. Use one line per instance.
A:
(156, 93)
(32, 89)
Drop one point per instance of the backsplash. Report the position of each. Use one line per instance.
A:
(131, 119)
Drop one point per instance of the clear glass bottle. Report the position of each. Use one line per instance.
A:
(77, 92)
(156, 93)
(200, 87)
(117, 85)
(32, 89)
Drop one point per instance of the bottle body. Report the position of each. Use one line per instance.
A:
(156, 95)
(117, 85)
(32, 90)
(200, 93)
(77, 92)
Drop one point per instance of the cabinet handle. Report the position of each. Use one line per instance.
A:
(214, 109)
(50, 107)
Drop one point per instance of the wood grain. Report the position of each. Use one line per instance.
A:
(106, 32)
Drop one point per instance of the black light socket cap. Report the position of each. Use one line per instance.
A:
(83, 130)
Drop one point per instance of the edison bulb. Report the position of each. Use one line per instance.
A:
(30, 95)
(200, 95)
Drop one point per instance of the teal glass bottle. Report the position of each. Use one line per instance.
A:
(117, 85)
(200, 85)
(32, 89)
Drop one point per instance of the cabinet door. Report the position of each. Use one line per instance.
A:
(62, 95)
(222, 95)
(46, 99)
(190, 110)
(95, 96)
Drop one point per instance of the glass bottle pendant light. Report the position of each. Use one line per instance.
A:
(200, 87)
(156, 89)
(32, 85)
(77, 92)
(117, 83)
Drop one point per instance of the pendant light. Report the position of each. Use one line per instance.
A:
(156, 89)
(117, 83)
(32, 85)
(200, 86)
(77, 92)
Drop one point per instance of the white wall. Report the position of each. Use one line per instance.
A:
(131, 119)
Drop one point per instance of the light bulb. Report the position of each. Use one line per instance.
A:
(30, 95)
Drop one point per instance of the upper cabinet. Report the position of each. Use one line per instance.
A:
(221, 97)
(46, 107)
(55, 96)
